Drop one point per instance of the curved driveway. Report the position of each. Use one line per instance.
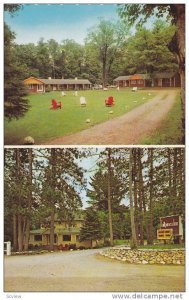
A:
(87, 271)
(127, 129)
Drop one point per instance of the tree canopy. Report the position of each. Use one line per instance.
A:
(138, 14)
(111, 49)
(42, 183)
(15, 101)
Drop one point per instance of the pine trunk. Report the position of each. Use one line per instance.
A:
(181, 179)
(109, 198)
(27, 225)
(19, 217)
(104, 74)
(142, 194)
(135, 194)
(52, 231)
(104, 66)
(170, 175)
(174, 188)
(150, 240)
(20, 234)
(53, 175)
(15, 233)
(133, 230)
(27, 234)
(141, 197)
(180, 52)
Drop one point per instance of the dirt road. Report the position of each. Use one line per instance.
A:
(127, 129)
(87, 271)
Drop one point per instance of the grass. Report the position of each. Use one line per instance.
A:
(44, 124)
(170, 131)
(155, 247)
(162, 246)
(121, 242)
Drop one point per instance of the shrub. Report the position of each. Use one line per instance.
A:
(48, 90)
(97, 246)
(30, 247)
(72, 247)
(106, 243)
(81, 248)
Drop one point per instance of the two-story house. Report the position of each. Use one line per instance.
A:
(66, 233)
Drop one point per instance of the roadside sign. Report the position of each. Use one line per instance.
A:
(174, 223)
(164, 234)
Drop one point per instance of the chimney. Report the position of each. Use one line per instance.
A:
(75, 78)
(49, 78)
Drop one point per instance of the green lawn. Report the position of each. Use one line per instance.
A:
(155, 247)
(44, 124)
(162, 246)
(170, 132)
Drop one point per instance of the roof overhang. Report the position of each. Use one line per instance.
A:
(33, 80)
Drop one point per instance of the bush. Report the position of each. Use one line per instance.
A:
(97, 246)
(106, 243)
(81, 248)
(60, 247)
(72, 247)
(30, 247)
(47, 90)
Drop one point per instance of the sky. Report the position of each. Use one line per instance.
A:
(89, 165)
(57, 21)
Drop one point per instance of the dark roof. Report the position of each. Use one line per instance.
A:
(147, 76)
(122, 78)
(70, 230)
(38, 231)
(163, 75)
(65, 81)
(128, 77)
(143, 76)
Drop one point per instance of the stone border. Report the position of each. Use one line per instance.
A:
(145, 256)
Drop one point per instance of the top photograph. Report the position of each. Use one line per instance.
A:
(94, 74)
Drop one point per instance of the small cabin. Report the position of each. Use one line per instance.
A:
(37, 85)
(149, 80)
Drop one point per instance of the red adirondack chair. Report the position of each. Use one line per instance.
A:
(109, 101)
(55, 104)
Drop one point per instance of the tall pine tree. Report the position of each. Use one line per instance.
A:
(15, 102)
(91, 228)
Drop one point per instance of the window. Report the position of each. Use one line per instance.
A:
(159, 82)
(30, 86)
(38, 238)
(40, 87)
(133, 81)
(140, 81)
(66, 237)
(166, 81)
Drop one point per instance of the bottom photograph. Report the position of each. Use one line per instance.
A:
(94, 219)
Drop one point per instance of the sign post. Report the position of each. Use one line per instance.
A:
(171, 227)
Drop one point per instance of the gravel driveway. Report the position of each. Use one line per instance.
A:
(87, 271)
(127, 129)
